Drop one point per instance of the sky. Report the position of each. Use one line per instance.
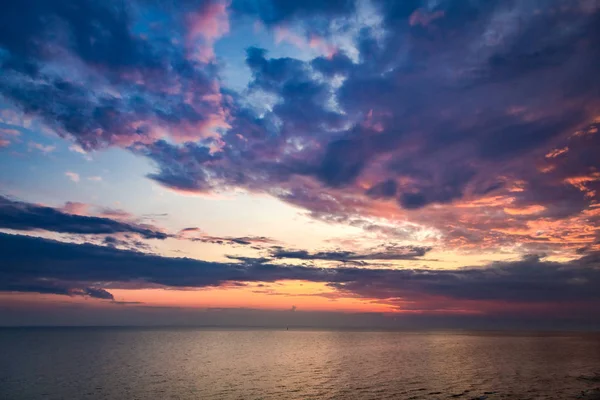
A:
(417, 163)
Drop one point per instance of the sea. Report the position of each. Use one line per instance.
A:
(194, 363)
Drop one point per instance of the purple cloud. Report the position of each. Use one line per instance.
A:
(429, 105)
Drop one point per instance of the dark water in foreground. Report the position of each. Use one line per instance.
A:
(121, 363)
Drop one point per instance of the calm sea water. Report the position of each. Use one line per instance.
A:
(122, 363)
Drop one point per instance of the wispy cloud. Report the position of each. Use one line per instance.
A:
(72, 176)
(197, 235)
(385, 253)
(40, 147)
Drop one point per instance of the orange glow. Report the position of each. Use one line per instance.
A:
(557, 152)
(534, 209)
(307, 296)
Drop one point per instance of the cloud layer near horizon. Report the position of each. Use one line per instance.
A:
(530, 284)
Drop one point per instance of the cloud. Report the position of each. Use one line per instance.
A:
(40, 147)
(57, 288)
(386, 253)
(9, 132)
(72, 176)
(283, 34)
(126, 242)
(206, 25)
(197, 235)
(530, 285)
(74, 207)
(7, 135)
(391, 127)
(74, 218)
(110, 84)
(439, 114)
(249, 260)
(77, 149)
(114, 213)
(23, 216)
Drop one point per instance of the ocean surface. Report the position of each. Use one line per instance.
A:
(185, 363)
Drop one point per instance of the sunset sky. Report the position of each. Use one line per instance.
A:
(432, 160)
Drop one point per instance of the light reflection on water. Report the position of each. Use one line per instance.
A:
(121, 363)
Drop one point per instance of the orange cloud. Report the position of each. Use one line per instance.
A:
(557, 152)
(529, 210)
(580, 182)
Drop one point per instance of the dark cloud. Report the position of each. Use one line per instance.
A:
(343, 161)
(197, 235)
(530, 280)
(337, 64)
(249, 260)
(98, 32)
(93, 292)
(23, 216)
(57, 288)
(383, 189)
(386, 253)
(301, 110)
(62, 262)
(127, 243)
(180, 168)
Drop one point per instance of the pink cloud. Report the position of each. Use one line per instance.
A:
(9, 131)
(424, 18)
(207, 102)
(186, 132)
(375, 121)
(115, 213)
(316, 43)
(44, 149)
(73, 207)
(205, 26)
(77, 149)
(72, 176)
(77, 208)
(5, 133)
